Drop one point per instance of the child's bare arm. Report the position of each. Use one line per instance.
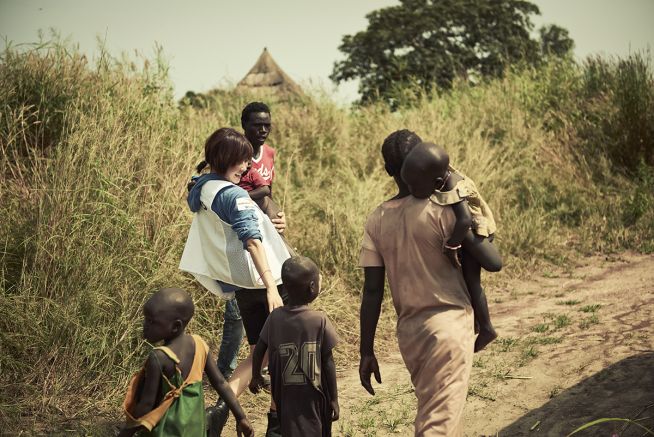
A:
(128, 432)
(461, 212)
(222, 388)
(260, 192)
(462, 224)
(329, 369)
(146, 402)
(257, 361)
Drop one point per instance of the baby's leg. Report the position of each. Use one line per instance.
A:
(472, 276)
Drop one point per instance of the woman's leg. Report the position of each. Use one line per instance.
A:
(242, 375)
(253, 306)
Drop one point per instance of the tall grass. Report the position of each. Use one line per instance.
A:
(93, 167)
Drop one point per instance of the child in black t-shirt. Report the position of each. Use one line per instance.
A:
(299, 341)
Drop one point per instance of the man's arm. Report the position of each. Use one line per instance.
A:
(373, 294)
(484, 251)
(259, 193)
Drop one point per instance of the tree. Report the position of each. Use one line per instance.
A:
(555, 41)
(431, 42)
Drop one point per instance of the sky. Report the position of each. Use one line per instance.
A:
(212, 44)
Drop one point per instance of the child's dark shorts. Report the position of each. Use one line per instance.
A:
(253, 306)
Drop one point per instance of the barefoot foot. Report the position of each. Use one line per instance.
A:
(486, 335)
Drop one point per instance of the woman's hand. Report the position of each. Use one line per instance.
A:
(274, 299)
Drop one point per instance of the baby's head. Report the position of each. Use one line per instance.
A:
(301, 279)
(166, 314)
(425, 169)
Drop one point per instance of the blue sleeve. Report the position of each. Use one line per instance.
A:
(240, 215)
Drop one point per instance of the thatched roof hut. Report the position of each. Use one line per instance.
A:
(267, 77)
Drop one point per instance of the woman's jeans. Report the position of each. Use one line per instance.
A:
(232, 338)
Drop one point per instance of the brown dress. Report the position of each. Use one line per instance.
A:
(435, 321)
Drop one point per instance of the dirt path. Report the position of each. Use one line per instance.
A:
(574, 346)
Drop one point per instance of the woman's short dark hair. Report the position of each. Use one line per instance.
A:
(226, 147)
(395, 148)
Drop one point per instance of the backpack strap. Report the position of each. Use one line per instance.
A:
(168, 352)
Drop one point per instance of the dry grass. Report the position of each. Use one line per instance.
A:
(93, 167)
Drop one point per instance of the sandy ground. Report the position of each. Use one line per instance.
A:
(575, 345)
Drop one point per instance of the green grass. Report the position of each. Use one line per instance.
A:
(543, 340)
(590, 308)
(569, 302)
(506, 344)
(589, 321)
(480, 389)
(392, 409)
(562, 321)
(529, 352)
(541, 327)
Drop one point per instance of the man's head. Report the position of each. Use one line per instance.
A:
(301, 279)
(395, 148)
(166, 314)
(425, 169)
(256, 123)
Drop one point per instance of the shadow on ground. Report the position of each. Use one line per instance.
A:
(625, 390)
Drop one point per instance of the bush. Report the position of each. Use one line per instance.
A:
(618, 111)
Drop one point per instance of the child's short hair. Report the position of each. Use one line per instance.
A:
(395, 148)
(298, 273)
(253, 108)
(175, 301)
(226, 147)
